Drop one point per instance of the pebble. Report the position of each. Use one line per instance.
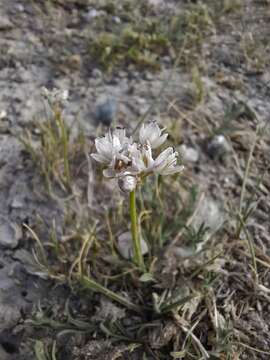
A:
(3, 114)
(148, 76)
(116, 19)
(209, 214)
(218, 147)
(5, 24)
(125, 245)
(19, 7)
(9, 234)
(188, 154)
(96, 73)
(92, 14)
(106, 110)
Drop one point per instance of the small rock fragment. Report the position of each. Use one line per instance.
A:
(125, 245)
(116, 19)
(9, 316)
(106, 110)
(96, 73)
(3, 114)
(209, 214)
(5, 24)
(10, 234)
(189, 154)
(218, 147)
(93, 14)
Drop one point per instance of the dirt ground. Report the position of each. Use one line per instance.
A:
(202, 69)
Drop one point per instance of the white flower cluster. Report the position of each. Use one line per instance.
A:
(55, 97)
(130, 161)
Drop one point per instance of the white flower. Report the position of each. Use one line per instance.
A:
(128, 160)
(151, 134)
(138, 164)
(112, 151)
(127, 183)
(165, 163)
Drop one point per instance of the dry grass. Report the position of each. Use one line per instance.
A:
(212, 303)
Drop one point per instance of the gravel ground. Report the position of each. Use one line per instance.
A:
(217, 98)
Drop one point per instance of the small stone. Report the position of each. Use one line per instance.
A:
(92, 14)
(96, 73)
(5, 24)
(189, 154)
(19, 7)
(3, 114)
(17, 203)
(167, 59)
(218, 147)
(105, 111)
(155, 3)
(116, 19)
(209, 214)
(9, 316)
(122, 74)
(125, 245)
(9, 234)
(148, 76)
(74, 62)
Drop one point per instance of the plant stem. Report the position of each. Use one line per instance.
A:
(137, 251)
(94, 286)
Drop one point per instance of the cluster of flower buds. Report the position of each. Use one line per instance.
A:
(55, 97)
(130, 161)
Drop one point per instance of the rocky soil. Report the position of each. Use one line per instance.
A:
(46, 43)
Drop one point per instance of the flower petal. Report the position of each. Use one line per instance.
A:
(100, 158)
(172, 170)
(151, 134)
(158, 142)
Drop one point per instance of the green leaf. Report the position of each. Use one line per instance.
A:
(147, 277)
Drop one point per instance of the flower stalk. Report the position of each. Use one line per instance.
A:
(137, 250)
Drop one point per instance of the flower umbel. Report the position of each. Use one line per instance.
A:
(126, 159)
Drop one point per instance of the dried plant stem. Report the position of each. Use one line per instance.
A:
(64, 137)
(137, 251)
(250, 245)
(243, 189)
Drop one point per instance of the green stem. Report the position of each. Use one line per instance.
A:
(94, 286)
(137, 251)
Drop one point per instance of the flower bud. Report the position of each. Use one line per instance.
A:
(127, 183)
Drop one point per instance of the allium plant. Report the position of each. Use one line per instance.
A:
(130, 162)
